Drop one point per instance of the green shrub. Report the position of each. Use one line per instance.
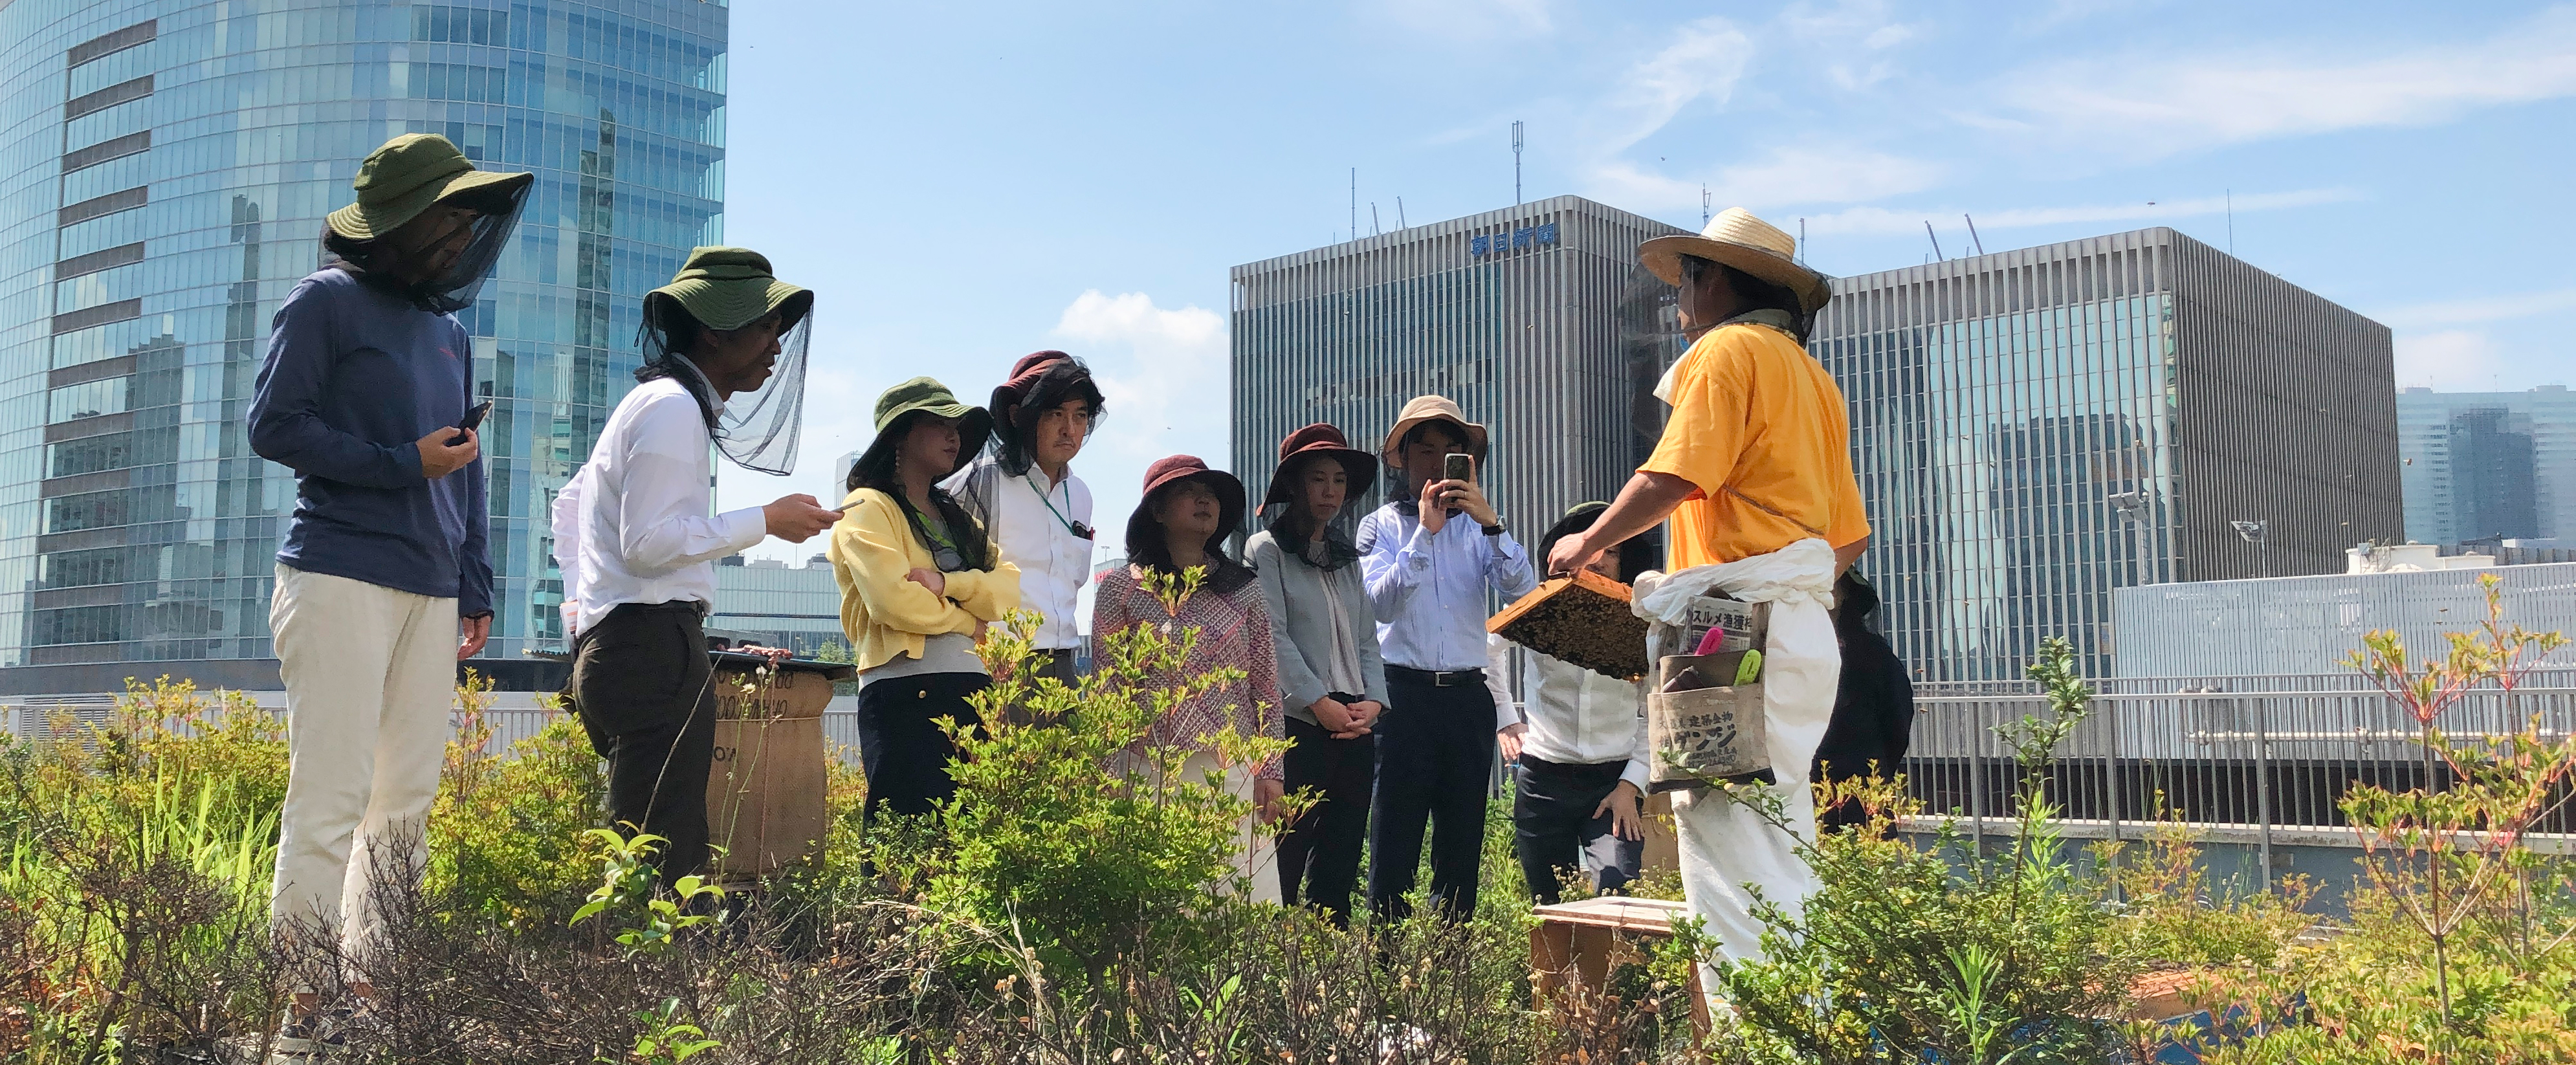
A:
(1977, 958)
(504, 833)
(1067, 832)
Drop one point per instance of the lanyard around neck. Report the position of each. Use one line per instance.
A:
(1078, 529)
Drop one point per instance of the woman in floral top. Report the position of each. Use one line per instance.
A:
(1187, 511)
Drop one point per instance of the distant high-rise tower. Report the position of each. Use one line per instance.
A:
(168, 165)
(2000, 403)
(2488, 465)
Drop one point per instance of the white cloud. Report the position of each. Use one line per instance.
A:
(1797, 174)
(2456, 360)
(2143, 106)
(1165, 377)
(1849, 39)
(1886, 220)
(1703, 62)
(2479, 310)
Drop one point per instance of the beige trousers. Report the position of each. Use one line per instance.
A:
(1256, 853)
(370, 677)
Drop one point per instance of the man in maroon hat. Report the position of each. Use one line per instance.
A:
(1026, 495)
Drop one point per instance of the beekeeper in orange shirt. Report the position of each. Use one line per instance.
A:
(1754, 469)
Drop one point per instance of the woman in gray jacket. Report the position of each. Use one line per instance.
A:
(1329, 672)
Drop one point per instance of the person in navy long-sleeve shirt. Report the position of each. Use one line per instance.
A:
(356, 381)
(383, 582)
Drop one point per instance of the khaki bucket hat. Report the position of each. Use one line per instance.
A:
(728, 288)
(1422, 409)
(405, 176)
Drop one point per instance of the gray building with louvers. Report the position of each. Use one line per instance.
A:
(1536, 319)
(1999, 402)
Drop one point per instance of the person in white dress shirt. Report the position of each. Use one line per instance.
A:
(1028, 498)
(637, 539)
(1578, 739)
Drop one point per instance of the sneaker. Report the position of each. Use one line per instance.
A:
(305, 1039)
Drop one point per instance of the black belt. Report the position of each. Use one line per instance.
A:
(1438, 678)
(694, 606)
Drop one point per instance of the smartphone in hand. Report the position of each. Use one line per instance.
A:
(473, 419)
(1458, 467)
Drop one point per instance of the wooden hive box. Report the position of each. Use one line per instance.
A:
(1583, 619)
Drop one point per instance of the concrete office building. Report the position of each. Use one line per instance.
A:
(2000, 402)
(778, 604)
(2487, 466)
(1536, 319)
(166, 168)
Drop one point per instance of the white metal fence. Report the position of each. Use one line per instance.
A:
(2260, 759)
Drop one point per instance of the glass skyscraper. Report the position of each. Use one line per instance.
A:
(2489, 465)
(1536, 319)
(164, 170)
(2033, 428)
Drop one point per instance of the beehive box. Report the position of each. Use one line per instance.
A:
(1584, 619)
(765, 790)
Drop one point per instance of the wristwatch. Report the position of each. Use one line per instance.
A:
(1495, 529)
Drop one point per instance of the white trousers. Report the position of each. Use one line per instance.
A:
(370, 677)
(1729, 851)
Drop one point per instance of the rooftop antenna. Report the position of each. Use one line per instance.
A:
(2231, 222)
(1972, 234)
(1400, 223)
(1355, 203)
(1802, 240)
(1936, 240)
(1703, 205)
(1516, 161)
(1373, 229)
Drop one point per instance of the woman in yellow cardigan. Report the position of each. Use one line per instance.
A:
(919, 581)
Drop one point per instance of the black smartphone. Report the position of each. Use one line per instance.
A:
(473, 419)
(1459, 467)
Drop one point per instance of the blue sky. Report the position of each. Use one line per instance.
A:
(963, 184)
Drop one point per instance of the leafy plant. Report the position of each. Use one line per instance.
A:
(629, 892)
(667, 1040)
(1070, 828)
(1945, 949)
(505, 831)
(2170, 912)
(2439, 854)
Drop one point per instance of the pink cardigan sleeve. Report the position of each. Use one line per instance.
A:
(1262, 675)
(1113, 611)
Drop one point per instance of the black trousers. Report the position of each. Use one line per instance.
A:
(1553, 825)
(1319, 855)
(901, 748)
(1435, 761)
(641, 684)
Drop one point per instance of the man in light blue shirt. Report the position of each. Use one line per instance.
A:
(1429, 559)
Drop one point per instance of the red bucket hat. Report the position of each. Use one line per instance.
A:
(1174, 469)
(1320, 440)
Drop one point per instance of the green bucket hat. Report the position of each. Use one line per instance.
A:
(927, 396)
(728, 288)
(408, 174)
